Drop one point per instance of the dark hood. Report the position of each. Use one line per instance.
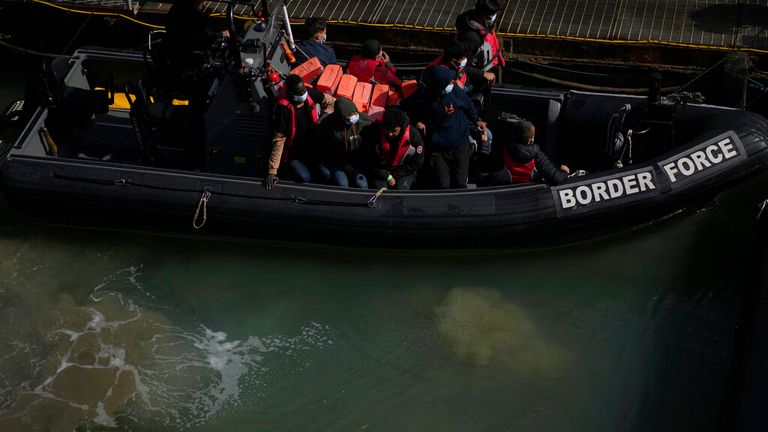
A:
(470, 21)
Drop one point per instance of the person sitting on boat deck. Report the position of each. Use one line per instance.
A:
(372, 65)
(340, 141)
(314, 45)
(297, 110)
(525, 162)
(454, 56)
(189, 33)
(476, 27)
(444, 114)
(394, 151)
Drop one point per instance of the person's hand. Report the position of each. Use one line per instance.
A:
(385, 57)
(490, 77)
(270, 181)
(225, 33)
(391, 181)
(421, 127)
(481, 125)
(565, 169)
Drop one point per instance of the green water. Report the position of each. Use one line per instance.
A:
(119, 331)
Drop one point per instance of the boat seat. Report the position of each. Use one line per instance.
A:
(163, 130)
(70, 107)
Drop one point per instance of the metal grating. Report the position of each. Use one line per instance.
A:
(711, 23)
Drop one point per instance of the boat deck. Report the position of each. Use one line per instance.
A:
(695, 23)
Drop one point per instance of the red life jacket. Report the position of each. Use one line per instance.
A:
(490, 48)
(363, 68)
(313, 108)
(404, 148)
(461, 76)
(520, 172)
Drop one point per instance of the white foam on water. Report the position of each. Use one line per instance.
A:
(167, 376)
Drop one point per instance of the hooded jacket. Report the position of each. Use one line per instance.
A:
(339, 142)
(448, 117)
(543, 168)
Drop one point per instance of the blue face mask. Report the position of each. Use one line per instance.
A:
(300, 99)
(353, 119)
(448, 89)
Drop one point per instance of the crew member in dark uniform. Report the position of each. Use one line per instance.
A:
(189, 34)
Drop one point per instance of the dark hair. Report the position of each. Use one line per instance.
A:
(370, 48)
(487, 7)
(393, 118)
(455, 50)
(522, 131)
(315, 26)
(293, 84)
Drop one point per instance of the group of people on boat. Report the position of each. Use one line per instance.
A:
(431, 134)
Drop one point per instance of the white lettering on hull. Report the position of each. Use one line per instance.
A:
(607, 190)
(700, 160)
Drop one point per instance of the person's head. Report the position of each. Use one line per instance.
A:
(370, 49)
(456, 52)
(393, 122)
(297, 91)
(347, 110)
(523, 132)
(317, 29)
(439, 79)
(488, 9)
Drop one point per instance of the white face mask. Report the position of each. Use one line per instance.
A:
(353, 119)
(463, 63)
(492, 18)
(448, 89)
(300, 99)
(323, 37)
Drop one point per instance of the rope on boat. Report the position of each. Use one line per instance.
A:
(296, 199)
(762, 207)
(204, 204)
(372, 201)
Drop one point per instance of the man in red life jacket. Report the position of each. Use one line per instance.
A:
(525, 162)
(394, 151)
(476, 27)
(455, 56)
(372, 65)
(296, 112)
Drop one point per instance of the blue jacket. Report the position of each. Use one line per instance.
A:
(448, 117)
(313, 48)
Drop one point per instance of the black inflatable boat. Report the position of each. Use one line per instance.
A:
(81, 160)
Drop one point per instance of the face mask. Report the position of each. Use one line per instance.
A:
(323, 38)
(448, 89)
(353, 119)
(492, 18)
(463, 64)
(300, 99)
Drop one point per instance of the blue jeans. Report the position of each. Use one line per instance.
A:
(299, 171)
(337, 177)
